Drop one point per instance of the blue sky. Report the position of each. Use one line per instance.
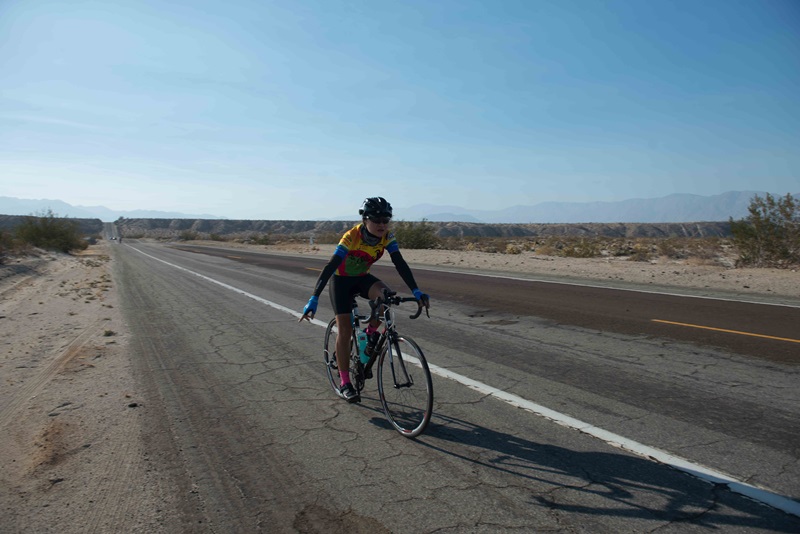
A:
(299, 109)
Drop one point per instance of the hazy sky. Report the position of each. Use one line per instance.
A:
(298, 109)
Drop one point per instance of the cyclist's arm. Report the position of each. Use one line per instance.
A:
(403, 269)
(334, 263)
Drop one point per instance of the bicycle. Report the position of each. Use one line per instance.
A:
(407, 403)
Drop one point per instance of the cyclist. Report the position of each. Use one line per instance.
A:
(358, 249)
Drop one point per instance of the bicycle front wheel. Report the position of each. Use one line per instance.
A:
(405, 387)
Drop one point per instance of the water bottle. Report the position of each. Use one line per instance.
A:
(362, 346)
(372, 342)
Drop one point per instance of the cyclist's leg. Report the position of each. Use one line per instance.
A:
(341, 292)
(345, 328)
(376, 290)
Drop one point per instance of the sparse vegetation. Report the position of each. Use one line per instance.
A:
(710, 250)
(770, 235)
(8, 246)
(188, 235)
(583, 248)
(415, 235)
(50, 232)
(261, 239)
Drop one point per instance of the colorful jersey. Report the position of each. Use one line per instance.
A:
(359, 256)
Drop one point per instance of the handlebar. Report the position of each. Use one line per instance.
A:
(390, 298)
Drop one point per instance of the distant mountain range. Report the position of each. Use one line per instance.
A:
(22, 206)
(677, 208)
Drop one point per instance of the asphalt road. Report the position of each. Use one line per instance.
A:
(247, 426)
(764, 331)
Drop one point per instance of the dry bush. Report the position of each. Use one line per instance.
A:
(634, 249)
(416, 235)
(770, 235)
(328, 238)
(11, 247)
(261, 239)
(582, 248)
(643, 251)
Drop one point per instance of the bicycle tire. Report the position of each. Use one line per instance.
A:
(329, 356)
(409, 407)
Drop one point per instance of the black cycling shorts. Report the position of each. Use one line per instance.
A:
(344, 288)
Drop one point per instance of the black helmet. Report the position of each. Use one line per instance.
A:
(375, 207)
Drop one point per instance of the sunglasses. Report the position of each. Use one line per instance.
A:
(380, 220)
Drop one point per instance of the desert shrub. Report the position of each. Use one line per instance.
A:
(711, 248)
(770, 235)
(546, 250)
(187, 235)
(8, 246)
(582, 248)
(671, 248)
(216, 237)
(261, 239)
(415, 235)
(642, 252)
(50, 232)
(327, 238)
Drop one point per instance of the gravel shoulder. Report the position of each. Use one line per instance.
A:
(72, 433)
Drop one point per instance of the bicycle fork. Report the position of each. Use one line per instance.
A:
(396, 362)
(398, 367)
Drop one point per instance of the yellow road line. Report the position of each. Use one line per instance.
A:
(313, 269)
(234, 257)
(727, 331)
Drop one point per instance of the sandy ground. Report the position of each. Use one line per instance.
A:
(72, 451)
(72, 457)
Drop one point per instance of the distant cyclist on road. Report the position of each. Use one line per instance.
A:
(359, 248)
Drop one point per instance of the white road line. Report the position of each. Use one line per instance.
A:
(762, 495)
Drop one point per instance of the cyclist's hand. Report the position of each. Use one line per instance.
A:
(310, 309)
(422, 299)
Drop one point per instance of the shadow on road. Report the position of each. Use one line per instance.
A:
(601, 483)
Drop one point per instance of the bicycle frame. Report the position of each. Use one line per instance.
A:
(389, 334)
(405, 391)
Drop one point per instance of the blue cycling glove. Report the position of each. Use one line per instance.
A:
(311, 307)
(419, 295)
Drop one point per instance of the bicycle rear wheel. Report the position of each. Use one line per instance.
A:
(331, 365)
(329, 354)
(405, 387)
